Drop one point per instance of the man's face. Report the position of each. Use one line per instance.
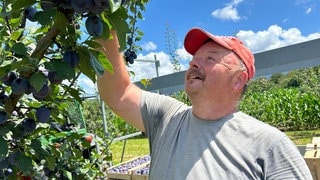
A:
(210, 73)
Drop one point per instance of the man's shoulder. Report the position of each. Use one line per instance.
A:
(254, 125)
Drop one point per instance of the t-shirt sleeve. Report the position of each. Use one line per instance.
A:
(285, 162)
(156, 112)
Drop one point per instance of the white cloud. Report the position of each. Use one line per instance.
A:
(229, 12)
(145, 70)
(149, 46)
(273, 37)
(87, 85)
(308, 10)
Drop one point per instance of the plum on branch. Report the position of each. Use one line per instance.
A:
(20, 86)
(43, 114)
(72, 58)
(30, 13)
(94, 25)
(9, 78)
(29, 124)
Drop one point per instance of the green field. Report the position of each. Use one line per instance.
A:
(140, 146)
(133, 148)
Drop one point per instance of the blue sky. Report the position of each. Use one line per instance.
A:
(261, 24)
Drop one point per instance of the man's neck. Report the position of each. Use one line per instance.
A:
(213, 111)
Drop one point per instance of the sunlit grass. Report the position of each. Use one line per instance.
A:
(133, 148)
(303, 137)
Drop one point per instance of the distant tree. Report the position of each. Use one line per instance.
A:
(172, 46)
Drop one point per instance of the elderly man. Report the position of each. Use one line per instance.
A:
(211, 139)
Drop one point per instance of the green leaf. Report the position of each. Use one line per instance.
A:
(37, 81)
(96, 65)
(114, 5)
(45, 17)
(51, 162)
(120, 25)
(92, 44)
(61, 21)
(99, 62)
(25, 163)
(104, 61)
(63, 70)
(3, 149)
(84, 65)
(20, 49)
(146, 82)
(7, 66)
(68, 174)
(19, 4)
(16, 34)
(36, 144)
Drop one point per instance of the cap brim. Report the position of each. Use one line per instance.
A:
(196, 37)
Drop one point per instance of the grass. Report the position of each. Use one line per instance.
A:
(140, 146)
(303, 137)
(133, 148)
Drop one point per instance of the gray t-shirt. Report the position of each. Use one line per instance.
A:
(237, 146)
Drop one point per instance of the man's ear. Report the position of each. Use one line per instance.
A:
(240, 80)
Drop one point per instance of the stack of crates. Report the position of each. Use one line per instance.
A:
(134, 169)
(312, 157)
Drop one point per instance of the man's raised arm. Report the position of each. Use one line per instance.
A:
(116, 88)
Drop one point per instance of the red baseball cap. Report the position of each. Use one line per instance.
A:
(196, 37)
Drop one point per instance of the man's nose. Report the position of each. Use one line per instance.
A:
(195, 62)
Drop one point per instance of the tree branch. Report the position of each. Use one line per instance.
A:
(45, 42)
(38, 53)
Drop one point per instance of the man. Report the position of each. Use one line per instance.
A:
(211, 139)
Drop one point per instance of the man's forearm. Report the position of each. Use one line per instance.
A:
(111, 84)
(116, 88)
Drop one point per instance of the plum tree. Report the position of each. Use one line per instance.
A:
(36, 84)
(94, 25)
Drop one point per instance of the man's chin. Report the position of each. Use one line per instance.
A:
(192, 86)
